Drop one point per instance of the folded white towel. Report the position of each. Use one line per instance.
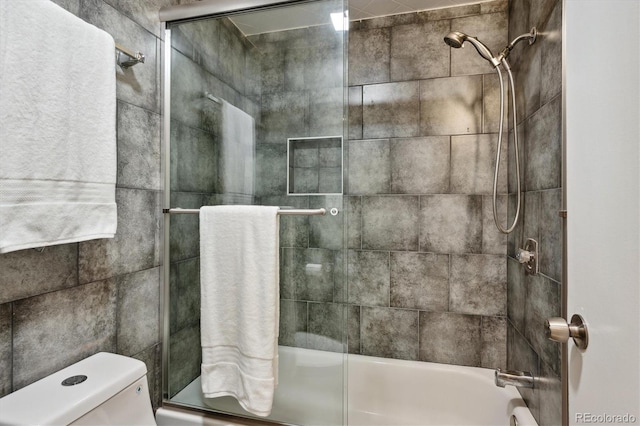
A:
(237, 158)
(240, 304)
(57, 127)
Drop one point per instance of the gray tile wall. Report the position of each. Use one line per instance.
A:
(537, 71)
(71, 301)
(426, 267)
(207, 56)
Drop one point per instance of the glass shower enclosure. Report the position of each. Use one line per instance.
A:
(254, 115)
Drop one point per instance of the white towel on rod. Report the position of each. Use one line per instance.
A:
(240, 304)
(57, 127)
(237, 159)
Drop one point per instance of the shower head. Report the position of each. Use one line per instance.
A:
(456, 39)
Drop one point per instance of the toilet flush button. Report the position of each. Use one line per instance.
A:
(74, 380)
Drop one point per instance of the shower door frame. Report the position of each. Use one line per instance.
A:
(168, 15)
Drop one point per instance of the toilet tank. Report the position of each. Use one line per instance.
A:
(104, 389)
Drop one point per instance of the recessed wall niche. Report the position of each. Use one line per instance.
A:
(315, 165)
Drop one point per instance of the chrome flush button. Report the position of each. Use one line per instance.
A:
(74, 380)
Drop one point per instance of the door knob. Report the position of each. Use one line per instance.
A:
(558, 330)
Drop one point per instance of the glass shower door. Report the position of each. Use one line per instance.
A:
(281, 70)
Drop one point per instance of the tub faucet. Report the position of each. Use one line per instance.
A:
(519, 379)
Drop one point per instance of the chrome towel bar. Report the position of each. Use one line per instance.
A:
(281, 212)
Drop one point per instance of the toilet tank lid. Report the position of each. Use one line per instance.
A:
(47, 401)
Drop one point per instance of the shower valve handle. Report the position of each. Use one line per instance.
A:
(524, 256)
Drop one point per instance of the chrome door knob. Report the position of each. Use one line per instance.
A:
(558, 330)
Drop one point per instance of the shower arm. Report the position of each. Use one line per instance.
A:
(530, 36)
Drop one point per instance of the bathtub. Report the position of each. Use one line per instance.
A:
(381, 392)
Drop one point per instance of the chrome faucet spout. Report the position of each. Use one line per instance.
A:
(519, 379)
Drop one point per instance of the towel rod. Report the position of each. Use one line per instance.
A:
(281, 212)
(131, 57)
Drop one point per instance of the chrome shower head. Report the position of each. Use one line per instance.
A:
(456, 39)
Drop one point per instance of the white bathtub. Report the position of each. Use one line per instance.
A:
(381, 392)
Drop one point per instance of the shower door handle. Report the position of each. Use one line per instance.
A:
(558, 330)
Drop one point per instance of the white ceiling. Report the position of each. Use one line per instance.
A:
(316, 13)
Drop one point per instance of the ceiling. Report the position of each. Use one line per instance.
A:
(316, 13)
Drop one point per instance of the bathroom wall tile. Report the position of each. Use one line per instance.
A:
(193, 154)
(491, 105)
(271, 169)
(72, 6)
(519, 11)
(543, 147)
(355, 112)
(294, 230)
(389, 333)
(5, 349)
(493, 350)
(189, 82)
(303, 153)
(419, 281)
(551, 234)
(449, 12)
(384, 231)
(326, 111)
(543, 301)
(327, 325)
(152, 358)
(330, 153)
(450, 338)
(231, 55)
(323, 66)
(494, 241)
(354, 222)
(451, 106)
(284, 115)
(272, 71)
(307, 274)
(528, 82)
(330, 180)
(539, 11)
(451, 223)
(135, 246)
(353, 328)
(184, 229)
(531, 215)
(368, 275)
(192, 41)
(369, 56)
(26, 273)
(494, 6)
(293, 324)
(550, 394)
(304, 180)
(145, 12)
(326, 231)
(522, 357)
(522, 144)
(138, 313)
(515, 239)
(473, 159)
(551, 56)
(66, 325)
(478, 284)
(138, 148)
(136, 85)
(516, 294)
(185, 354)
(369, 167)
(391, 110)
(491, 29)
(418, 52)
(420, 165)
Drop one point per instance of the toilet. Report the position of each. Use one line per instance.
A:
(104, 389)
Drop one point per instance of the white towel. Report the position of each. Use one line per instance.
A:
(57, 127)
(237, 159)
(240, 304)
